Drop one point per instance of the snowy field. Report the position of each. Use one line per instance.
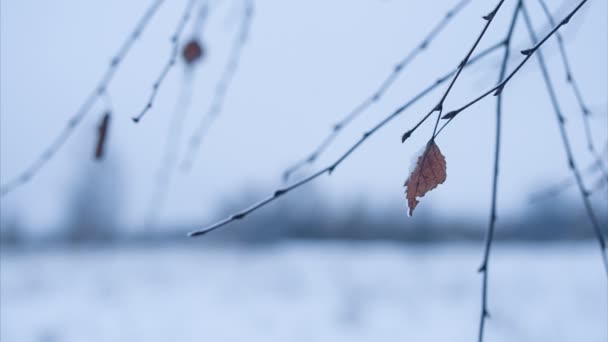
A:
(302, 292)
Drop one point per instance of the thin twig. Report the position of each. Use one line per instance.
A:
(566, 142)
(86, 106)
(570, 79)
(490, 234)
(329, 169)
(489, 18)
(439, 106)
(175, 43)
(379, 92)
(201, 19)
(497, 89)
(559, 187)
(170, 156)
(220, 90)
(167, 165)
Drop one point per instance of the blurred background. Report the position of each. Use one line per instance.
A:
(96, 250)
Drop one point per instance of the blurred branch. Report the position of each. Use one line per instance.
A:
(379, 92)
(566, 142)
(496, 90)
(599, 184)
(175, 39)
(168, 162)
(558, 188)
(220, 90)
(166, 167)
(86, 106)
(329, 169)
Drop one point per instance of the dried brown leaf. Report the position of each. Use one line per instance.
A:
(192, 51)
(430, 171)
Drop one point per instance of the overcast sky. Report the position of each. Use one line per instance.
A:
(306, 65)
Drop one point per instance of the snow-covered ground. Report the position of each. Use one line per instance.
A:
(302, 292)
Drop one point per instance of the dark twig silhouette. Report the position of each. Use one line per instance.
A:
(489, 18)
(439, 106)
(221, 88)
(175, 43)
(379, 92)
(329, 169)
(566, 142)
(99, 90)
(102, 134)
(490, 233)
(586, 113)
(497, 89)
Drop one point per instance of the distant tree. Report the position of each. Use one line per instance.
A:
(95, 203)
(11, 230)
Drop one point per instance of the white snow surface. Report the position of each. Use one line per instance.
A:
(302, 292)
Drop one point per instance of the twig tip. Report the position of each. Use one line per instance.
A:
(405, 136)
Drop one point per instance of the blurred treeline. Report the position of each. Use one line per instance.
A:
(97, 196)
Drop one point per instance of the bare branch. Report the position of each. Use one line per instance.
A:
(585, 112)
(490, 234)
(86, 106)
(167, 165)
(566, 142)
(329, 169)
(496, 90)
(439, 106)
(168, 162)
(220, 90)
(379, 92)
(175, 42)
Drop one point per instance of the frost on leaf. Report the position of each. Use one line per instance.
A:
(430, 171)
